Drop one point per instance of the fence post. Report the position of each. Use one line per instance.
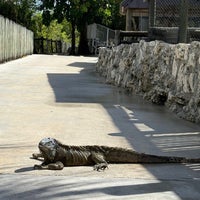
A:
(128, 20)
(152, 14)
(117, 37)
(183, 25)
(42, 45)
(107, 37)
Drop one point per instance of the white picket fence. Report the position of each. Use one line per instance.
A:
(15, 40)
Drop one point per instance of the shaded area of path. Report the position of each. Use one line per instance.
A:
(53, 187)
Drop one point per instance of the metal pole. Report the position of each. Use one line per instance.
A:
(152, 13)
(107, 37)
(182, 35)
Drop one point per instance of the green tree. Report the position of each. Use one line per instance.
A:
(19, 11)
(80, 13)
(53, 31)
(117, 21)
(8, 9)
(37, 25)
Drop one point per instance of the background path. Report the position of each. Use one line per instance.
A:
(63, 97)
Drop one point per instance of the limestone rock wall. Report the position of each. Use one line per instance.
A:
(163, 73)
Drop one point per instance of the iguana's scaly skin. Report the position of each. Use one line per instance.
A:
(57, 155)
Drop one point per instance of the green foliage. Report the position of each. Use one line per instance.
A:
(117, 21)
(54, 31)
(19, 11)
(60, 19)
(105, 12)
(37, 25)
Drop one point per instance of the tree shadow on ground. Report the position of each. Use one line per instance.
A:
(148, 128)
(159, 130)
(39, 188)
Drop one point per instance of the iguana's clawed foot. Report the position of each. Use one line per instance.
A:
(52, 166)
(38, 167)
(37, 156)
(34, 155)
(101, 167)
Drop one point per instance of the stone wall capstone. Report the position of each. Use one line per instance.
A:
(166, 74)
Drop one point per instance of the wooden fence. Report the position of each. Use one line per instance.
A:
(47, 46)
(15, 40)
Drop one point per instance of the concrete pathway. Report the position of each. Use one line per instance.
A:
(63, 97)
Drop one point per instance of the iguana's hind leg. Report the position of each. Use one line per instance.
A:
(100, 161)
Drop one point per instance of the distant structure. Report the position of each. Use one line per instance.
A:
(137, 14)
(172, 21)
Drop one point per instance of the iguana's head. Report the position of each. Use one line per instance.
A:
(48, 147)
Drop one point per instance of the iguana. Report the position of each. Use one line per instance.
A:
(57, 156)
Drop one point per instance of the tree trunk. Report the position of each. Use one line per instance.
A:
(73, 41)
(83, 48)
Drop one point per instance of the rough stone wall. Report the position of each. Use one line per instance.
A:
(163, 73)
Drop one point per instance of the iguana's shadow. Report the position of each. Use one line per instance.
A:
(24, 169)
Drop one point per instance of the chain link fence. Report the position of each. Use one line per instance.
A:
(167, 13)
(194, 13)
(167, 17)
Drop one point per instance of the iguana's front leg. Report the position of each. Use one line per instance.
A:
(52, 166)
(37, 156)
(101, 163)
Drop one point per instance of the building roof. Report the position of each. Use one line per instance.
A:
(135, 4)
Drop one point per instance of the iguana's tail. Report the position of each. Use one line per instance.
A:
(145, 158)
(191, 160)
(120, 155)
